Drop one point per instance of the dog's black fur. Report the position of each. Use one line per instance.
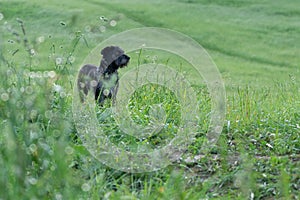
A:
(102, 80)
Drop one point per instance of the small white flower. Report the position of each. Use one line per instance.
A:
(85, 187)
(102, 29)
(29, 90)
(58, 61)
(71, 59)
(62, 94)
(32, 52)
(58, 196)
(69, 150)
(57, 88)
(270, 146)
(32, 180)
(106, 92)
(51, 74)
(4, 97)
(251, 195)
(33, 148)
(94, 83)
(113, 23)
(40, 39)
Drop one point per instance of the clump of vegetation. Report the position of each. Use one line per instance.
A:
(42, 157)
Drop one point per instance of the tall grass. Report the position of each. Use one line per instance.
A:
(257, 156)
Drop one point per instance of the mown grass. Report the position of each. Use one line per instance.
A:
(255, 45)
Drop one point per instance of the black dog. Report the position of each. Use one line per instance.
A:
(102, 80)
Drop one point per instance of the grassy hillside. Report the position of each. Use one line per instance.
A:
(256, 47)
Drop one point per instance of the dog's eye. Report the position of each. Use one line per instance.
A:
(120, 58)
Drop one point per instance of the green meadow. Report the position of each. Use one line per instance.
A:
(256, 47)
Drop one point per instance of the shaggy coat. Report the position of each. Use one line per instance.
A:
(102, 80)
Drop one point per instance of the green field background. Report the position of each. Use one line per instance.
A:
(254, 43)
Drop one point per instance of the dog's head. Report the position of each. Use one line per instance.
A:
(113, 57)
(122, 60)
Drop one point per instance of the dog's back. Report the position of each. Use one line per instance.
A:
(87, 79)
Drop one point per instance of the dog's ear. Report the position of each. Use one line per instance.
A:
(112, 52)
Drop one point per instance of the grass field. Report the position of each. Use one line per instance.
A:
(256, 46)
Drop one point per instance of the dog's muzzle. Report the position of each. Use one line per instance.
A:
(123, 60)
